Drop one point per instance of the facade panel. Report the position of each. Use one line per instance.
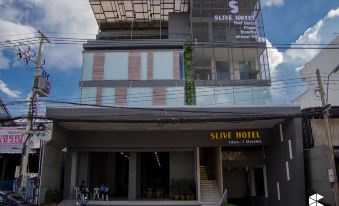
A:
(116, 66)
(87, 67)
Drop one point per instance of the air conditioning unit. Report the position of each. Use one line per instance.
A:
(42, 86)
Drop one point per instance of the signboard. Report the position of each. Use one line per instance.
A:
(244, 24)
(237, 137)
(11, 139)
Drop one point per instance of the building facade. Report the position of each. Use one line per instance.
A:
(134, 132)
(138, 58)
(317, 154)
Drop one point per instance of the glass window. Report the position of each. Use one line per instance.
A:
(88, 95)
(175, 96)
(87, 67)
(116, 66)
(246, 70)
(140, 96)
(219, 32)
(163, 65)
(223, 70)
(108, 96)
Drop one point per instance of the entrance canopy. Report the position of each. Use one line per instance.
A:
(166, 118)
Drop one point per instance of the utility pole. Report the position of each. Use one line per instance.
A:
(32, 105)
(332, 168)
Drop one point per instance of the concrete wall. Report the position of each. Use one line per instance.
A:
(285, 166)
(182, 165)
(179, 26)
(319, 131)
(52, 162)
(316, 165)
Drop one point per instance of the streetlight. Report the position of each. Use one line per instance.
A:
(334, 70)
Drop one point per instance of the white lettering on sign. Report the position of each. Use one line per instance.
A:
(233, 5)
(246, 24)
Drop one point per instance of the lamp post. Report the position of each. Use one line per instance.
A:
(332, 168)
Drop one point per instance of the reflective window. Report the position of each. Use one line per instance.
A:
(223, 70)
(88, 95)
(87, 67)
(108, 96)
(162, 65)
(219, 32)
(116, 66)
(140, 96)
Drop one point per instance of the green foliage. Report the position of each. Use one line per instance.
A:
(182, 186)
(189, 75)
(53, 196)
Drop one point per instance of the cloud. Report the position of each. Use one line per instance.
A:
(12, 93)
(62, 16)
(9, 31)
(275, 58)
(272, 2)
(321, 33)
(293, 60)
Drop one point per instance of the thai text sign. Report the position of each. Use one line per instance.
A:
(11, 136)
(237, 137)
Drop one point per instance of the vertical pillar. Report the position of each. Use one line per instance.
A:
(220, 178)
(132, 176)
(252, 182)
(197, 163)
(73, 172)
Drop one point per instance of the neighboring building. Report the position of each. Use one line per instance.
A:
(316, 155)
(5, 115)
(9, 151)
(136, 135)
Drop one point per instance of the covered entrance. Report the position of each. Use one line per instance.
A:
(263, 156)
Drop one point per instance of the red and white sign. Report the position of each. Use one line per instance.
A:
(11, 135)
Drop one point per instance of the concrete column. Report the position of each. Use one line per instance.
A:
(73, 173)
(197, 163)
(132, 177)
(220, 178)
(252, 182)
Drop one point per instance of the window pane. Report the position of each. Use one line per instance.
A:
(223, 70)
(87, 67)
(88, 95)
(139, 97)
(219, 32)
(108, 96)
(116, 66)
(163, 65)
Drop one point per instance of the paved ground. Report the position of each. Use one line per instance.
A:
(133, 203)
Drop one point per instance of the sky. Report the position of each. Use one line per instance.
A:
(285, 21)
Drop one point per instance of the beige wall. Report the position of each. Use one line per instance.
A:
(319, 131)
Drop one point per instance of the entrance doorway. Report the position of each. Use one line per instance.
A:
(245, 185)
(111, 169)
(154, 181)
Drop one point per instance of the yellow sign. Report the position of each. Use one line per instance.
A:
(235, 135)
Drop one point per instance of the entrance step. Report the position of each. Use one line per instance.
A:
(210, 194)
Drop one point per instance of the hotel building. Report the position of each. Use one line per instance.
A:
(134, 132)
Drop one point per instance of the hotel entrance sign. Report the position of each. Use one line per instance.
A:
(237, 137)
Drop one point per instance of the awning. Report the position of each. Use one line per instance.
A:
(146, 11)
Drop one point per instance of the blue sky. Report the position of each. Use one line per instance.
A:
(287, 21)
